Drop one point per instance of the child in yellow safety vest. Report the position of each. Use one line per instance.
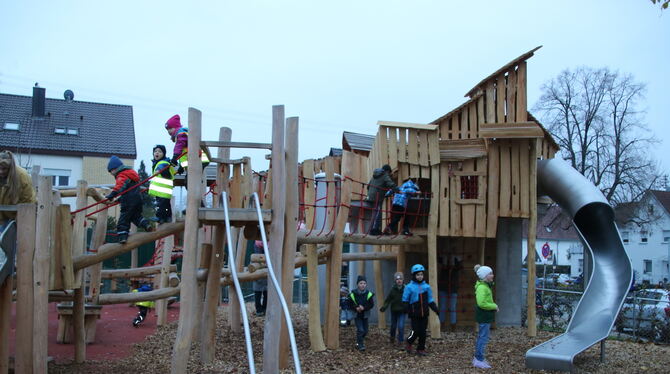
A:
(143, 306)
(162, 184)
(179, 136)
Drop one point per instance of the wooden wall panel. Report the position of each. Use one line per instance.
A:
(444, 196)
(423, 148)
(412, 147)
(516, 178)
(521, 96)
(402, 145)
(383, 145)
(500, 99)
(433, 148)
(490, 103)
(524, 161)
(472, 121)
(467, 209)
(480, 209)
(463, 124)
(393, 147)
(455, 209)
(511, 96)
(505, 174)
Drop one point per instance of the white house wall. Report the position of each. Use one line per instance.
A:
(655, 249)
(568, 252)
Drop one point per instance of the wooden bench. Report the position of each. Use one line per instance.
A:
(65, 322)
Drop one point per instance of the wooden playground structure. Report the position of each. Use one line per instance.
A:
(474, 165)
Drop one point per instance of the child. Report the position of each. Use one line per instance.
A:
(346, 308)
(394, 300)
(131, 201)
(399, 208)
(260, 285)
(161, 185)
(179, 137)
(363, 301)
(485, 311)
(418, 297)
(143, 306)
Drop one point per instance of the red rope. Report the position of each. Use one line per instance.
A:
(126, 191)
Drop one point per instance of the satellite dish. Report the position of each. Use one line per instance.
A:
(69, 95)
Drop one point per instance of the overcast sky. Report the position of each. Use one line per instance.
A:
(338, 65)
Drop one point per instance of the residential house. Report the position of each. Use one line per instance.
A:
(557, 239)
(645, 232)
(70, 140)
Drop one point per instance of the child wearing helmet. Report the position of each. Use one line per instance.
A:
(418, 298)
(485, 312)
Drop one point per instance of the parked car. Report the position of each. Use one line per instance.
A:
(554, 279)
(647, 312)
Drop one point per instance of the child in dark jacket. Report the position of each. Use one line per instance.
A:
(485, 312)
(131, 201)
(363, 301)
(418, 297)
(162, 184)
(347, 312)
(394, 301)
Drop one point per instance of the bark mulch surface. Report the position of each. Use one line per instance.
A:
(451, 354)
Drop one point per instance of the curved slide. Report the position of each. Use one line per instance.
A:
(612, 273)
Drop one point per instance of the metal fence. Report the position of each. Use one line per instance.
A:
(641, 317)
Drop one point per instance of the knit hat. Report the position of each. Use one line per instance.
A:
(174, 122)
(482, 271)
(398, 275)
(6, 158)
(161, 147)
(114, 162)
(387, 168)
(361, 278)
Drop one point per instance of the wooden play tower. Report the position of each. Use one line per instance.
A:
(475, 165)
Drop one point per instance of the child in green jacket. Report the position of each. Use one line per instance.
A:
(394, 300)
(485, 312)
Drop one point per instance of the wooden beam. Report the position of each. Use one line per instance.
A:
(290, 238)
(41, 275)
(408, 125)
(78, 309)
(511, 130)
(433, 320)
(227, 160)
(238, 216)
(97, 241)
(168, 245)
(133, 297)
(5, 317)
(335, 263)
(213, 288)
(182, 346)
(274, 312)
(137, 272)
(224, 144)
(532, 236)
(111, 250)
(359, 238)
(24, 289)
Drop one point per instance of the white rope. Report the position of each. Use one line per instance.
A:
(287, 316)
(238, 289)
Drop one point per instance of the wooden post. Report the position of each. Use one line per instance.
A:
(97, 241)
(330, 216)
(24, 289)
(78, 245)
(431, 238)
(189, 285)
(314, 302)
(482, 250)
(290, 235)
(532, 234)
(335, 261)
(41, 264)
(213, 285)
(401, 261)
(168, 245)
(273, 314)
(239, 242)
(379, 291)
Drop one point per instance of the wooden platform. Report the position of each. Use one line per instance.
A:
(238, 216)
(65, 323)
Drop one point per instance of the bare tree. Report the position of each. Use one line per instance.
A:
(595, 116)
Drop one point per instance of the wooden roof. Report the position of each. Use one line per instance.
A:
(523, 57)
(352, 141)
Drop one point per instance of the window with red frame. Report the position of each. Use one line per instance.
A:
(470, 187)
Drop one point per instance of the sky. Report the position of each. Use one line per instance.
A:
(337, 65)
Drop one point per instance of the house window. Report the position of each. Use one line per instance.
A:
(581, 265)
(469, 187)
(59, 177)
(647, 266)
(666, 236)
(71, 131)
(11, 126)
(66, 131)
(644, 236)
(624, 237)
(60, 130)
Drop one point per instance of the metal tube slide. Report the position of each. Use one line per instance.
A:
(612, 273)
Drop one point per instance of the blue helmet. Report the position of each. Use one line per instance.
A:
(417, 268)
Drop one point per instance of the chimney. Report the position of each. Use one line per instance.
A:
(38, 101)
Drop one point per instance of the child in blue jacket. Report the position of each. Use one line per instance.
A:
(418, 298)
(399, 208)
